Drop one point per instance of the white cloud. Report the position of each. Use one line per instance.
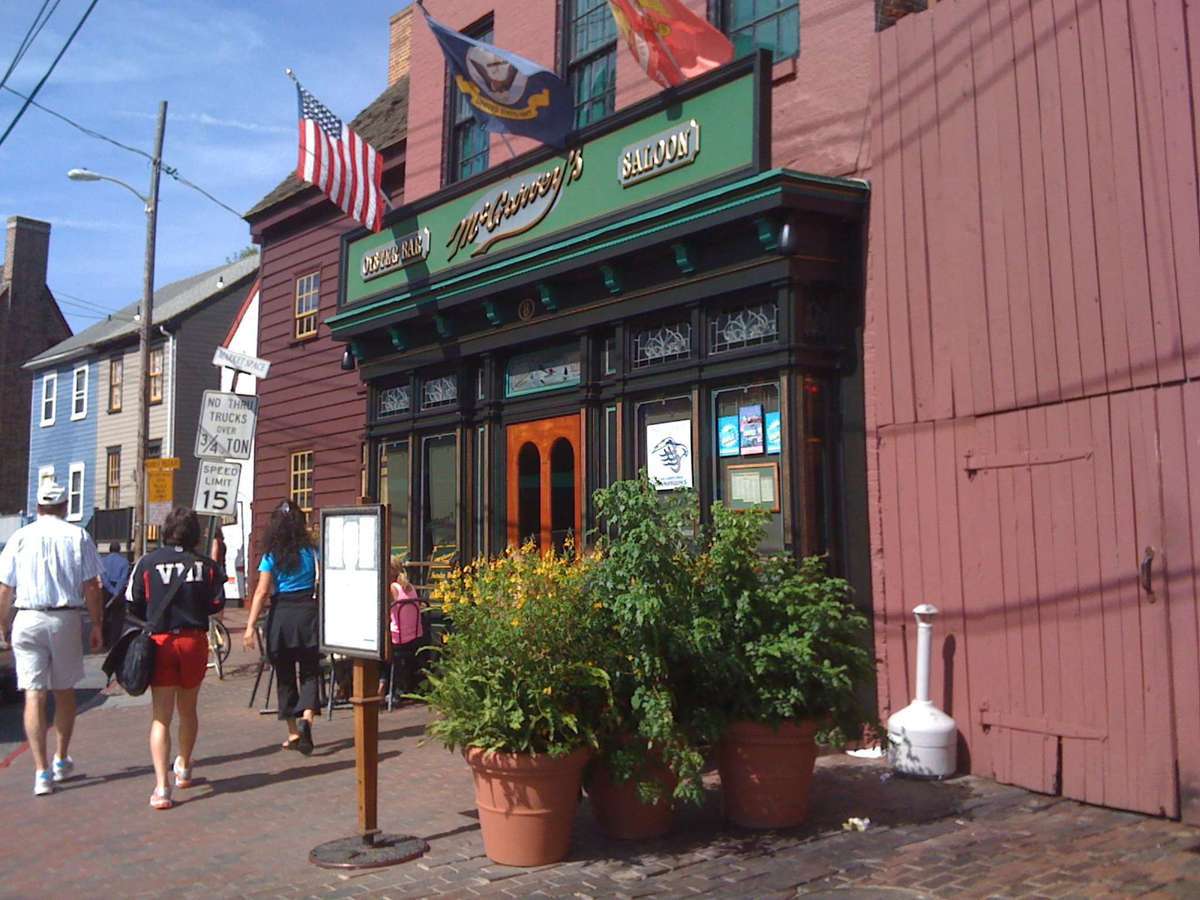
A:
(208, 120)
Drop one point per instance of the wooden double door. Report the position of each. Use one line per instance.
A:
(545, 481)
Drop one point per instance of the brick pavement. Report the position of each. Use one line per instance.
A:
(247, 828)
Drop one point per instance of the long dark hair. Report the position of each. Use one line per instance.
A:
(287, 535)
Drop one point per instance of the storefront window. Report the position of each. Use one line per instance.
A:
(439, 507)
(394, 488)
(816, 450)
(609, 469)
(394, 400)
(437, 392)
(481, 477)
(665, 447)
(749, 453)
(745, 326)
(663, 343)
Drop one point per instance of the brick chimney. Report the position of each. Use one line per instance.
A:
(29, 324)
(399, 45)
(26, 252)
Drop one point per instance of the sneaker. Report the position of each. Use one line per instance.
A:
(63, 768)
(183, 777)
(43, 783)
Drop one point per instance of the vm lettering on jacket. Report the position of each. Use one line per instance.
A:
(166, 571)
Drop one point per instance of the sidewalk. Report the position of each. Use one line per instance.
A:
(247, 827)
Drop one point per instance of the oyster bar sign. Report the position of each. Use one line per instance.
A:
(403, 251)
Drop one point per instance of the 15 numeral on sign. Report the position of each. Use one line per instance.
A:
(218, 500)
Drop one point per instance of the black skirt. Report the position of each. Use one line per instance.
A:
(292, 623)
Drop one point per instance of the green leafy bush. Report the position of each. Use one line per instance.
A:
(525, 669)
(644, 585)
(791, 645)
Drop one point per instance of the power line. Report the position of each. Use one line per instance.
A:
(26, 42)
(53, 65)
(167, 170)
(88, 131)
(89, 305)
(174, 173)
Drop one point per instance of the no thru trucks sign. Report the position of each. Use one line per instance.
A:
(226, 426)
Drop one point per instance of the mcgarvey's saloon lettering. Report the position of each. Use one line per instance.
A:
(403, 251)
(659, 153)
(536, 197)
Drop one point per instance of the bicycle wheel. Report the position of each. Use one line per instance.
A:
(220, 639)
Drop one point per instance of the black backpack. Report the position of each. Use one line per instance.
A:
(131, 659)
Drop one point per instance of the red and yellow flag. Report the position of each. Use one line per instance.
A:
(668, 40)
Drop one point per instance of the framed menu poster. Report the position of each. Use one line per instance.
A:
(353, 581)
(752, 486)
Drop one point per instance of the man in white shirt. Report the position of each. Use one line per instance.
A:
(51, 569)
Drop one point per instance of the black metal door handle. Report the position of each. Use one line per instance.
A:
(1147, 569)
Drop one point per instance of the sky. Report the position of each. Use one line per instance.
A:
(231, 125)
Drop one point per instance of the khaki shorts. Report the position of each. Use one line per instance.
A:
(48, 649)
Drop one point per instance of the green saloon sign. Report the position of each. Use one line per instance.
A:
(644, 158)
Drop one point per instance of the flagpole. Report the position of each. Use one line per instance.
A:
(646, 20)
(504, 137)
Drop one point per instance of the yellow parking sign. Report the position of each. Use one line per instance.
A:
(160, 487)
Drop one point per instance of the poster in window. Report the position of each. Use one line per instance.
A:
(750, 422)
(774, 433)
(669, 454)
(727, 436)
(753, 486)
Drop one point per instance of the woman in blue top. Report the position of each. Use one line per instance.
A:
(288, 575)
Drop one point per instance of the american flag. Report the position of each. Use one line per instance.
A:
(344, 166)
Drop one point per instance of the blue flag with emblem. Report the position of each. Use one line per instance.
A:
(506, 92)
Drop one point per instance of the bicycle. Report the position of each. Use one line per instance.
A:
(219, 645)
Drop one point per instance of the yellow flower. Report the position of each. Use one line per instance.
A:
(597, 606)
(516, 622)
(547, 691)
(445, 638)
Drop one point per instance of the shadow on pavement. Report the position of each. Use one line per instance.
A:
(839, 791)
(240, 783)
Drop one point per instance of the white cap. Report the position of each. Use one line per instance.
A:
(51, 493)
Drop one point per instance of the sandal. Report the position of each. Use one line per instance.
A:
(161, 799)
(291, 743)
(305, 744)
(183, 777)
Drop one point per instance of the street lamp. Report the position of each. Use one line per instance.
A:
(150, 204)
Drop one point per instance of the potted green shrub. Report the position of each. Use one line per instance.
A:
(791, 655)
(521, 687)
(644, 586)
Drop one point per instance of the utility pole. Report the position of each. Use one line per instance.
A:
(139, 502)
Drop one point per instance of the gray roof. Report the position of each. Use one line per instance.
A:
(170, 302)
(382, 124)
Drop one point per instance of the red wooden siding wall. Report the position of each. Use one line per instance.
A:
(1033, 332)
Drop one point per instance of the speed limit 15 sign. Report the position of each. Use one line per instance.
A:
(217, 487)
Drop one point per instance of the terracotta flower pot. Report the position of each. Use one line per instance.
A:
(766, 772)
(621, 812)
(526, 803)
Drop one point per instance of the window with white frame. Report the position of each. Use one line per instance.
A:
(79, 393)
(49, 400)
(75, 492)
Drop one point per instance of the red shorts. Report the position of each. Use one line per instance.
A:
(180, 660)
